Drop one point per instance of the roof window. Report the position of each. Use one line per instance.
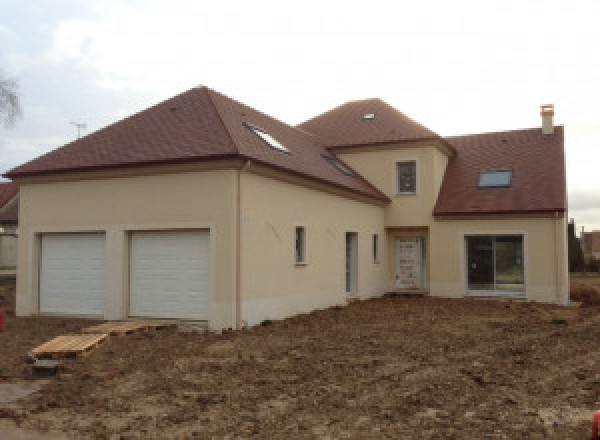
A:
(495, 179)
(266, 137)
(368, 116)
(338, 165)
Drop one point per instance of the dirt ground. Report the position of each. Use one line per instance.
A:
(394, 367)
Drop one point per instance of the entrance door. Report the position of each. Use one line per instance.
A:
(351, 262)
(409, 263)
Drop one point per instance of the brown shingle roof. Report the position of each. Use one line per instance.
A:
(538, 178)
(199, 124)
(346, 125)
(7, 191)
(9, 212)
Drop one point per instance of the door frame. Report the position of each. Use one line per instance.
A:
(351, 262)
(422, 261)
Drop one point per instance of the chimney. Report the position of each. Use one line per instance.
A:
(547, 112)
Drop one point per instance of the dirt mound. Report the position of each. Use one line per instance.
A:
(588, 296)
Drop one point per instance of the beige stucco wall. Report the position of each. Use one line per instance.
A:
(117, 205)
(379, 167)
(545, 252)
(544, 238)
(273, 286)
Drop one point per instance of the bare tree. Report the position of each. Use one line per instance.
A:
(10, 106)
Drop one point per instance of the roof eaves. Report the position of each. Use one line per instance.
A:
(136, 164)
(497, 212)
(447, 148)
(379, 197)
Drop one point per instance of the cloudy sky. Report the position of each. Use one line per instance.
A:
(455, 66)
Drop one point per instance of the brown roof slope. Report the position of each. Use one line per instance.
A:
(7, 191)
(181, 128)
(346, 126)
(306, 156)
(199, 124)
(11, 213)
(538, 178)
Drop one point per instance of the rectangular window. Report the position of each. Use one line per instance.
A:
(375, 248)
(300, 247)
(407, 177)
(495, 179)
(495, 264)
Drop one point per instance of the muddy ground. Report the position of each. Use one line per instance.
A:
(395, 367)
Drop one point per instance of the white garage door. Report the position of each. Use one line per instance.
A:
(169, 274)
(72, 274)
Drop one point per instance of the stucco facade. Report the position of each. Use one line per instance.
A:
(444, 263)
(203, 208)
(273, 284)
(117, 206)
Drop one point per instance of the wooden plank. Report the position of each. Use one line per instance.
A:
(68, 345)
(125, 327)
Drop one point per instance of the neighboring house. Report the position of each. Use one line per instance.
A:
(591, 244)
(203, 208)
(9, 219)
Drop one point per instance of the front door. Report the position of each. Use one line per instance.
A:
(409, 263)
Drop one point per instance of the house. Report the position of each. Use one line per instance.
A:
(203, 208)
(9, 219)
(591, 244)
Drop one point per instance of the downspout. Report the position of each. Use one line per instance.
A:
(238, 251)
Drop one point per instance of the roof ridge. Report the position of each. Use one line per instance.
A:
(212, 102)
(513, 130)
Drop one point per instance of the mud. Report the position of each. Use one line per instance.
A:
(394, 367)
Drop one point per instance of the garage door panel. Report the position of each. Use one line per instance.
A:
(72, 274)
(169, 274)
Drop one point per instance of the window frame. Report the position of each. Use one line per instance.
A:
(300, 245)
(508, 184)
(495, 291)
(399, 190)
(267, 138)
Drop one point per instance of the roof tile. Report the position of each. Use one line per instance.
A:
(538, 181)
(199, 124)
(349, 125)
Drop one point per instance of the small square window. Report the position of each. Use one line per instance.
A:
(407, 177)
(495, 179)
(375, 248)
(300, 245)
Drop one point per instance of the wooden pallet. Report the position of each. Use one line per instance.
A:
(125, 327)
(68, 346)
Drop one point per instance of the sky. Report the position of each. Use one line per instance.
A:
(457, 67)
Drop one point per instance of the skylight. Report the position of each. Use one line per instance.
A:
(339, 165)
(495, 179)
(270, 140)
(369, 116)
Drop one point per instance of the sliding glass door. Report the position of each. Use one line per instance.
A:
(495, 264)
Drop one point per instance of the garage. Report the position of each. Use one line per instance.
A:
(169, 274)
(72, 274)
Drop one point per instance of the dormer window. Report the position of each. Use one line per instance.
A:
(495, 179)
(267, 138)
